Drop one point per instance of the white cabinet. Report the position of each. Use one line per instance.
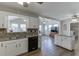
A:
(57, 40)
(68, 42)
(2, 20)
(2, 49)
(13, 47)
(22, 46)
(64, 41)
(10, 48)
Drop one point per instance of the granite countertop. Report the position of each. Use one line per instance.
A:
(64, 35)
(14, 38)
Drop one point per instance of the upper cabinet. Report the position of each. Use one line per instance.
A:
(3, 20)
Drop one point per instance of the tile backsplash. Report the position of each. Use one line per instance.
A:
(16, 35)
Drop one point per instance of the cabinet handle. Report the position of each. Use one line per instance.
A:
(61, 39)
(19, 45)
(1, 44)
(16, 45)
(6, 46)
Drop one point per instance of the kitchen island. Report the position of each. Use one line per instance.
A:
(65, 41)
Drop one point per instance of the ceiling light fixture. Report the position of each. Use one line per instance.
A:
(21, 2)
(55, 25)
(24, 20)
(44, 22)
(74, 18)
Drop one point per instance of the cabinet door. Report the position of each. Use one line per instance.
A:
(11, 49)
(63, 41)
(67, 43)
(39, 41)
(22, 46)
(58, 40)
(2, 49)
(2, 20)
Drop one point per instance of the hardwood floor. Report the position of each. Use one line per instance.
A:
(49, 49)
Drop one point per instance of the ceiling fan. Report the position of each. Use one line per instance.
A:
(75, 18)
(26, 4)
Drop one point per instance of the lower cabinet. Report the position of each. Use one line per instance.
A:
(14, 47)
(57, 40)
(2, 49)
(10, 48)
(23, 46)
(65, 42)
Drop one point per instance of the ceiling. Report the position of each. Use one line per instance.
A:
(53, 10)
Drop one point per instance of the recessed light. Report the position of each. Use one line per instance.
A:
(44, 22)
(24, 20)
(55, 25)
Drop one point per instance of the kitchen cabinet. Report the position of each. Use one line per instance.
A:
(58, 40)
(39, 41)
(32, 43)
(2, 49)
(10, 48)
(64, 41)
(13, 47)
(22, 46)
(67, 42)
(3, 20)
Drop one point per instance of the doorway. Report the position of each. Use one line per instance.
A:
(74, 28)
(45, 29)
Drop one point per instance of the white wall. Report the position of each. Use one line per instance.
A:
(66, 30)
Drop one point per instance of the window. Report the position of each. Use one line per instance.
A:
(50, 27)
(23, 27)
(40, 27)
(14, 27)
(17, 24)
(18, 27)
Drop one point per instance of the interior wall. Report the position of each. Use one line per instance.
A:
(65, 27)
